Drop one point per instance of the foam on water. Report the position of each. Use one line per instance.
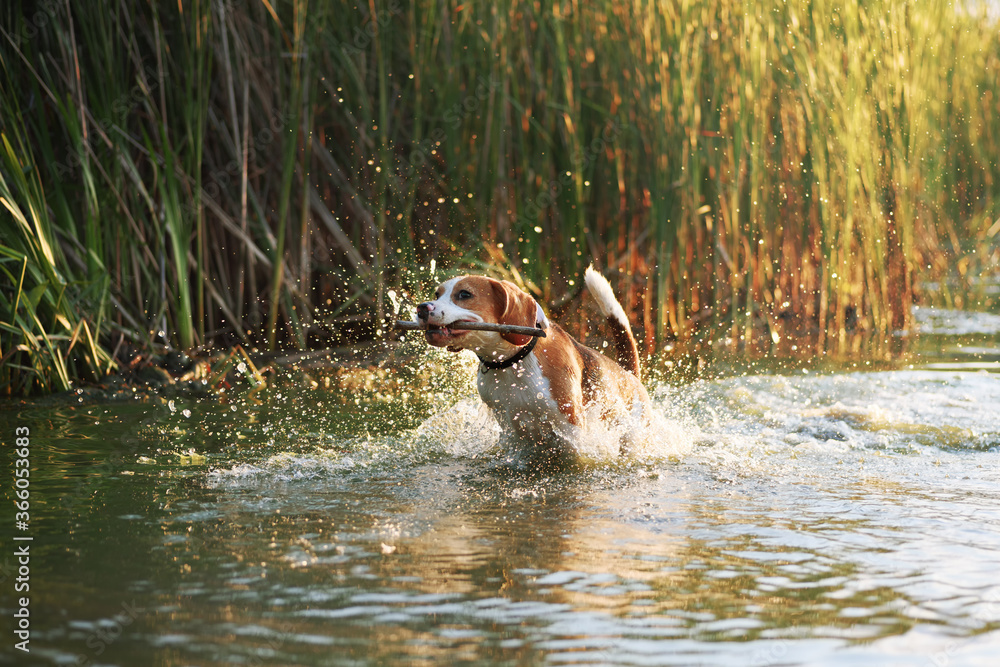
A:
(945, 322)
(764, 420)
(283, 466)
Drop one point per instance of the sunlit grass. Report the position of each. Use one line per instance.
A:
(264, 173)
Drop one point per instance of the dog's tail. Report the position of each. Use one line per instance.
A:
(626, 350)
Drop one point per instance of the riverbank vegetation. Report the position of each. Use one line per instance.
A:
(279, 174)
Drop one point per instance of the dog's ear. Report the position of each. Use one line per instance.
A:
(515, 307)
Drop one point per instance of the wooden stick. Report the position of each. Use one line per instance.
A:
(477, 326)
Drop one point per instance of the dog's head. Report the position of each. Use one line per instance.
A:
(478, 299)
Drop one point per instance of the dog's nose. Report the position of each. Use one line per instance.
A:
(424, 310)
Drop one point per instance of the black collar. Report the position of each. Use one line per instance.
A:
(507, 363)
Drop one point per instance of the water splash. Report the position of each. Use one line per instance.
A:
(466, 429)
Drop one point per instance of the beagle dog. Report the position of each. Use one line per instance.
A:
(542, 390)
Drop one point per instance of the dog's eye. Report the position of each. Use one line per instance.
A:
(463, 294)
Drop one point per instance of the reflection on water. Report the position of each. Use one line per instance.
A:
(822, 519)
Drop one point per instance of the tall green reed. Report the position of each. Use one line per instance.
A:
(265, 173)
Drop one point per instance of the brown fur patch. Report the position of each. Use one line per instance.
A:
(626, 350)
(518, 309)
(564, 369)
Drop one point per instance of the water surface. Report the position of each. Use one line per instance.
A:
(820, 517)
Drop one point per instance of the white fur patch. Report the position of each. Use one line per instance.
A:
(520, 398)
(447, 311)
(601, 290)
(540, 316)
(520, 394)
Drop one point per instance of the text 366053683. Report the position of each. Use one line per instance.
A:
(22, 546)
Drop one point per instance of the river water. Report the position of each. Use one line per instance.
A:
(816, 516)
